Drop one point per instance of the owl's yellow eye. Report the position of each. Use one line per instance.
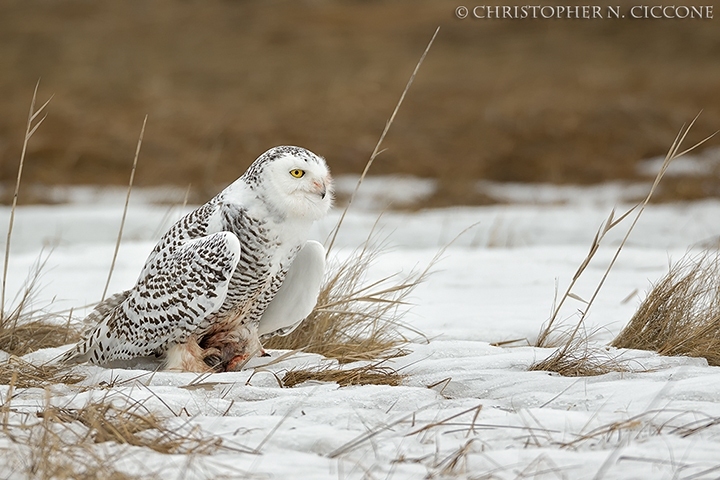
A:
(297, 173)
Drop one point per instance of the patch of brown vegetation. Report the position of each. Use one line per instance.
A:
(63, 445)
(132, 425)
(580, 359)
(372, 374)
(681, 314)
(21, 374)
(568, 101)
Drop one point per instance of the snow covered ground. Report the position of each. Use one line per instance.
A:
(466, 408)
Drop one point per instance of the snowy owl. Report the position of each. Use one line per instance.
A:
(233, 271)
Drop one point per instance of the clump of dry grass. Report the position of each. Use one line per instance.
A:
(21, 374)
(65, 443)
(49, 459)
(354, 321)
(574, 357)
(132, 425)
(578, 358)
(27, 334)
(372, 374)
(87, 442)
(681, 314)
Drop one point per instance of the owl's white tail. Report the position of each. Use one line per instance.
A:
(92, 320)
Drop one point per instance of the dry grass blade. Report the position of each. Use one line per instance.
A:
(544, 338)
(681, 314)
(376, 150)
(23, 329)
(353, 321)
(455, 464)
(445, 421)
(684, 423)
(124, 215)
(672, 154)
(372, 374)
(360, 439)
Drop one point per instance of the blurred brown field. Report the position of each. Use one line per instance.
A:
(562, 100)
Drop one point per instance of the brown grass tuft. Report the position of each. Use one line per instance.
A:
(66, 442)
(132, 425)
(681, 314)
(354, 321)
(372, 374)
(21, 374)
(579, 359)
(25, 336)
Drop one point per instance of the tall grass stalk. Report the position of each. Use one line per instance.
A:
(376, 150)
(125, 209)
(30, 129)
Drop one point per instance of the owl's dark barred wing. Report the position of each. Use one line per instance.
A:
(177, 291)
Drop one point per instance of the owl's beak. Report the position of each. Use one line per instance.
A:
(320, 188)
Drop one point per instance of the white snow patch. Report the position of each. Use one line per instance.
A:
(466, 409)
(389, 191)
(604, 194)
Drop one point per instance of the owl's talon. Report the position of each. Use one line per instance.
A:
(213, 361)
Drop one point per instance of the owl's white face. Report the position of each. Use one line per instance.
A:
(297, 182)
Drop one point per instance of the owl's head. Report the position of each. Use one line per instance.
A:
(294, 181)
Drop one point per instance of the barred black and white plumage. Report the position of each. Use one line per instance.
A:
(234, 269)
